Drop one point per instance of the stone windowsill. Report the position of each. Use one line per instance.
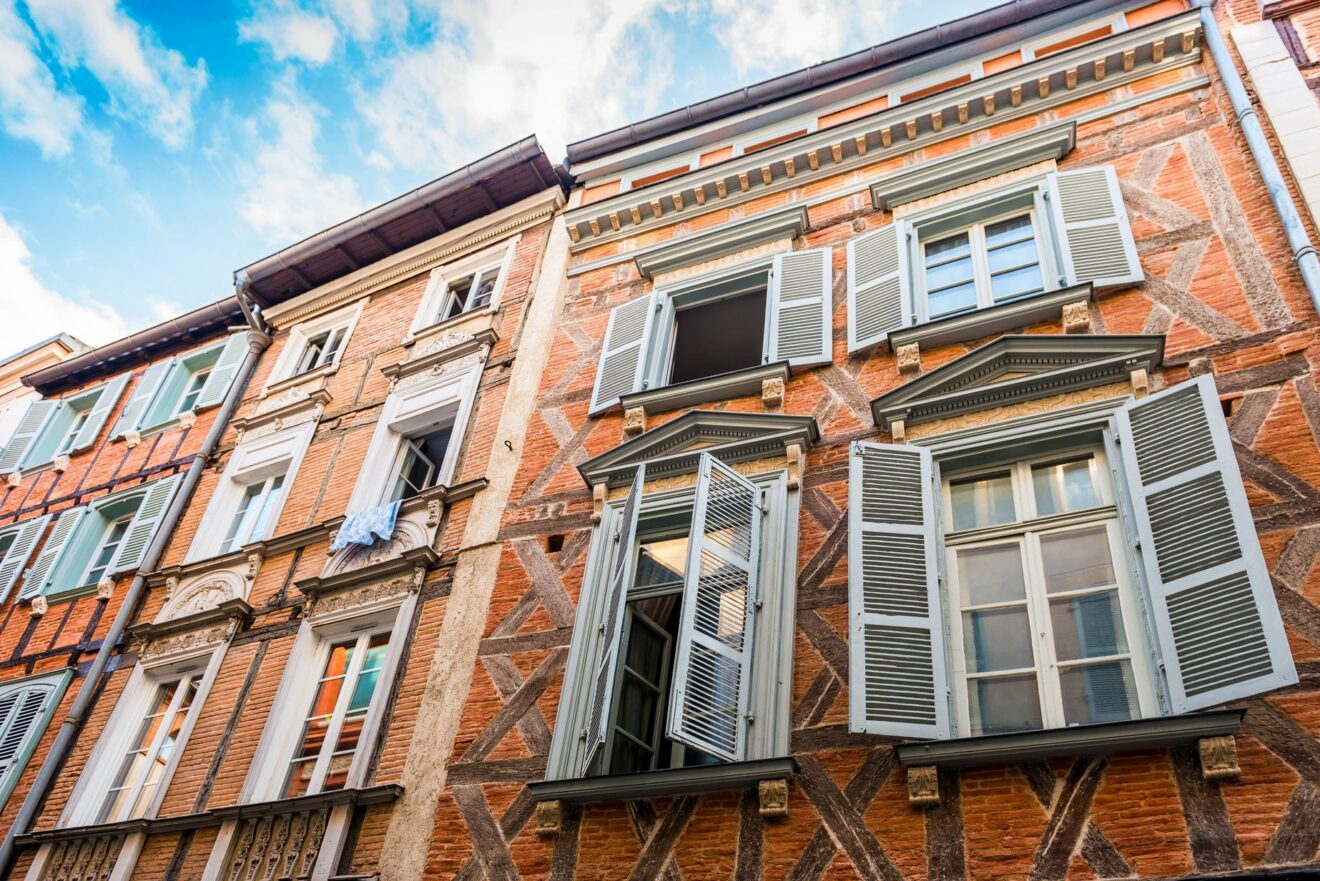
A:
(472, 322)
(725, 386)
(660, 784)
(298, 379)
(476, 341)
(1036, 309)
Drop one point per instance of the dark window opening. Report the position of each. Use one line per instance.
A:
(422, 457)
(719, 337)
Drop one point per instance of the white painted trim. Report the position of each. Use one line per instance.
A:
(296, 343)
(436, 286)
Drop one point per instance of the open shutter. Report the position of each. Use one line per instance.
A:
(712, 665)
(800, 308)
(29, 427)
(878, 288)
(1093, 229)
(43, 570)
(898, 677)
(623, 357)
(622, 563)
(21, 712)
(1215, 613)
(222, 374)
(17, 556)
(130, 418)
(105, 402)
(144, 523)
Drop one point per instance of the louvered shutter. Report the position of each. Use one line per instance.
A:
(43, 570)
(623, 356)
(105, 402)
(621, 567)
(898, 676)
(800, 308)
(879, 295)
(1215, 614)
(17, 556)
(222, 374)
(145, 521)
(1093, 229)
(29, 428)
(712, 665)
(21, 713)
(130, 418)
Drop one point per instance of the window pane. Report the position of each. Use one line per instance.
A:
(638, 705)
(945, 275)
(984, 501)
(952, 300)
(1004, 704)
(1064, 486)
(1088, 627)
(661, 562)
(485, 287)
(300, 777)
(1006, 285)
(945, 249)
(997, 640)
(991, 574)
(1098, 693)
(1004, 232)
(1077, 560)
(646, 653)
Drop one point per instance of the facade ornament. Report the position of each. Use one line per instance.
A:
(773, 797)
(898, 431)
(188, 418)
(909, 358)
(549, 818)
(1140, 382)
(772, 391)
(597, 502)
(105, 588)
(433, 508)
(634, 421)
(1077, 317)
(419, 577)
(171, 586)
(39, 606)
(254, 561)
(330, 548)
(795, 462)
(923, 786)
(15, 478)
(61, 462)
(132, 438)
(1219, 757)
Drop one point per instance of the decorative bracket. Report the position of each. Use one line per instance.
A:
(898, 430)
(105, 588)
(909, 358)
(597, 502)
(773, 797)
(923, 786)
(132, 439)
(254, 562)
(188, 418)
(772, 391)
(61, 463)
(40, 605)
(634, 421)
(419, 577)
(1219, 757)
(433, 508)
(795, 462)
(1140, 382)
(15, 478)
(1077, 317)
(549, 818)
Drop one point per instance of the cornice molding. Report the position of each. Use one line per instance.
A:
(730, 238)
(702, 391)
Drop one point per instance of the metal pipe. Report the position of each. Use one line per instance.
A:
(1298, 239)
(258, 340)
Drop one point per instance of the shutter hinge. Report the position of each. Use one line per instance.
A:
(582, 735)
(750, 717)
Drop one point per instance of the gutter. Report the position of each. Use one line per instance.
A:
(1299, 239)
(258, 341)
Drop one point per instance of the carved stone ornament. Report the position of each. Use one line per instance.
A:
(286, 398)
(772, 391)
(201, 597)
(171, 586)
(188, 639)
(795, 457)
(254, 562)
(362, 595)
(132, 438)
(433, 509)
(105, 588)
(15, 478)
(1219, 757)
(61, 463)
(634, 421)
(773, 797)
(424, 377)
(597, 502)
(923, 786)
(1077, 317)
(39, 607)
(549, 818)
(360, 556)
(188, 418)
(898, 430)
(446, 340)
(909, 358)
(1140, 382)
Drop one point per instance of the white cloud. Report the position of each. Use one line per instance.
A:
(364, 20)
(772, 36)
(287, 192)
(34, 312)
(291, 33)
(147, 82)
(32, 106)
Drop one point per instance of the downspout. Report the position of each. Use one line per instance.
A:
(258, 340)
(1298, 239)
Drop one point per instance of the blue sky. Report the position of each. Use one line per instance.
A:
(147, 149)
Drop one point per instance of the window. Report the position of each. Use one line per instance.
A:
(315, 344)
(984, 264)
(468, 292)
(332, 729)
(144, 762)
(193, 390)
(182, 388)
(420, 463)
(60, 427)
(109, 546)
(186, 383)
(255, 514)
(26, 708)
(80, 418)
(473, 283)
(320, 349)
(718, 335)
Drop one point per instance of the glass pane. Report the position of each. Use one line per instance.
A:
(952, 300)
(337, 774)
(457, 296)
(997, 640)
(300, 777)
(1076, 560)
(143, 799)
(938, 251)
(991, 574)
(646, 653)
(1012, 256)
(350, 733)
(485, 287)
(661, 562)
(947, 274)
(1064, 486)
(1004, 704)
(1098, 693)
(1007, 285)
(628, 757)
(638, 705)
(983, 501)
(364, 689)
(1011, 230)
(1088, 627)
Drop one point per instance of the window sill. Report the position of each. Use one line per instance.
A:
(471, 322)
(960, 328)
(298, 379)
(738, 384)
(659, 784)
(435, 348)
(1081, 740)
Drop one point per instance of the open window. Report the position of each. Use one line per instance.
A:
(315, 345)
(52, 428)
(468, 285)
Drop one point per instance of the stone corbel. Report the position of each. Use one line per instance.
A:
(549, 818)
(61, 463)
(105, 588)
(418, 578)
(923, 786)
(898, 430)
(772, 391)
(433, 508)
(597, 502)
(171, 586)
(909, 358)
(39, 607)
(1077, 317)
(330, 548)
(1219, 757)
(795, 461)
(188, 418)
(773, 797)
(15, 478)
(254, 561)
(1140, 382)
(634, 421)
(132, 438)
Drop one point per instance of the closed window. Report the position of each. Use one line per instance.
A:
(256, 511)
(156, 738)
(983, 264)
(26, 708)
(51, 428)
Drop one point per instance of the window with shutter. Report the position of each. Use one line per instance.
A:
(16, 545)
(144, 393)
(623, 355)
(879, 290)
(37, 579)
(29, 428)
(150, 509)
(222, 374)
(99, 412)
(1092, 224)
(26, 708)
(800, 306)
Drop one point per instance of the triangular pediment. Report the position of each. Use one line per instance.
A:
(1018, 368)
(673, 448)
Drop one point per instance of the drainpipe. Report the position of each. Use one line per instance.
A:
(258, 340)
(1298, 239)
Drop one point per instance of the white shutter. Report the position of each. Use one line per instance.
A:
(879, 292)
(898, 677)
(29, 428)
(800, 308)
(623, 356)
(43, 570)
(622, 564)
(145, 521)
(1093, 230)
(105, 402)
(712, 666)
(1215, 613)
(22, 712)
(17, 556)
(222, 374)
(144, 393)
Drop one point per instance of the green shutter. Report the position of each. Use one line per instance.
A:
(17, 556)
(222, 375)
(623, 355)
(879, 291)
(39, 576)
(24, 712)
(801, 306)
(1092, 224)
(898, 679)
(622, 564)
(712, 664)
(145, 521)
(1216, 618)
(130, 418)
(101, 407)
(29, 429)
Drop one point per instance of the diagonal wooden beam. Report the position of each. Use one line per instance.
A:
(1068, 819)
(847, 831)
(816, 700)
(515, 707)
(825, 640)
(658, 851)
(547, 580)
(1298, 836)
(512, 821)
(1097, 849)
(644, 819)
(490, 848)
(1282, 736)
(532, 726)
(1209, 829)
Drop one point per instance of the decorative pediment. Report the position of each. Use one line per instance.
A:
(674, 447)
(1018, 368)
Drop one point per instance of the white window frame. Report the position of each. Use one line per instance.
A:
(499, 256)
(982, 280)
(299, 336)
(1026, 531)
(103, 544)
(264, 513)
